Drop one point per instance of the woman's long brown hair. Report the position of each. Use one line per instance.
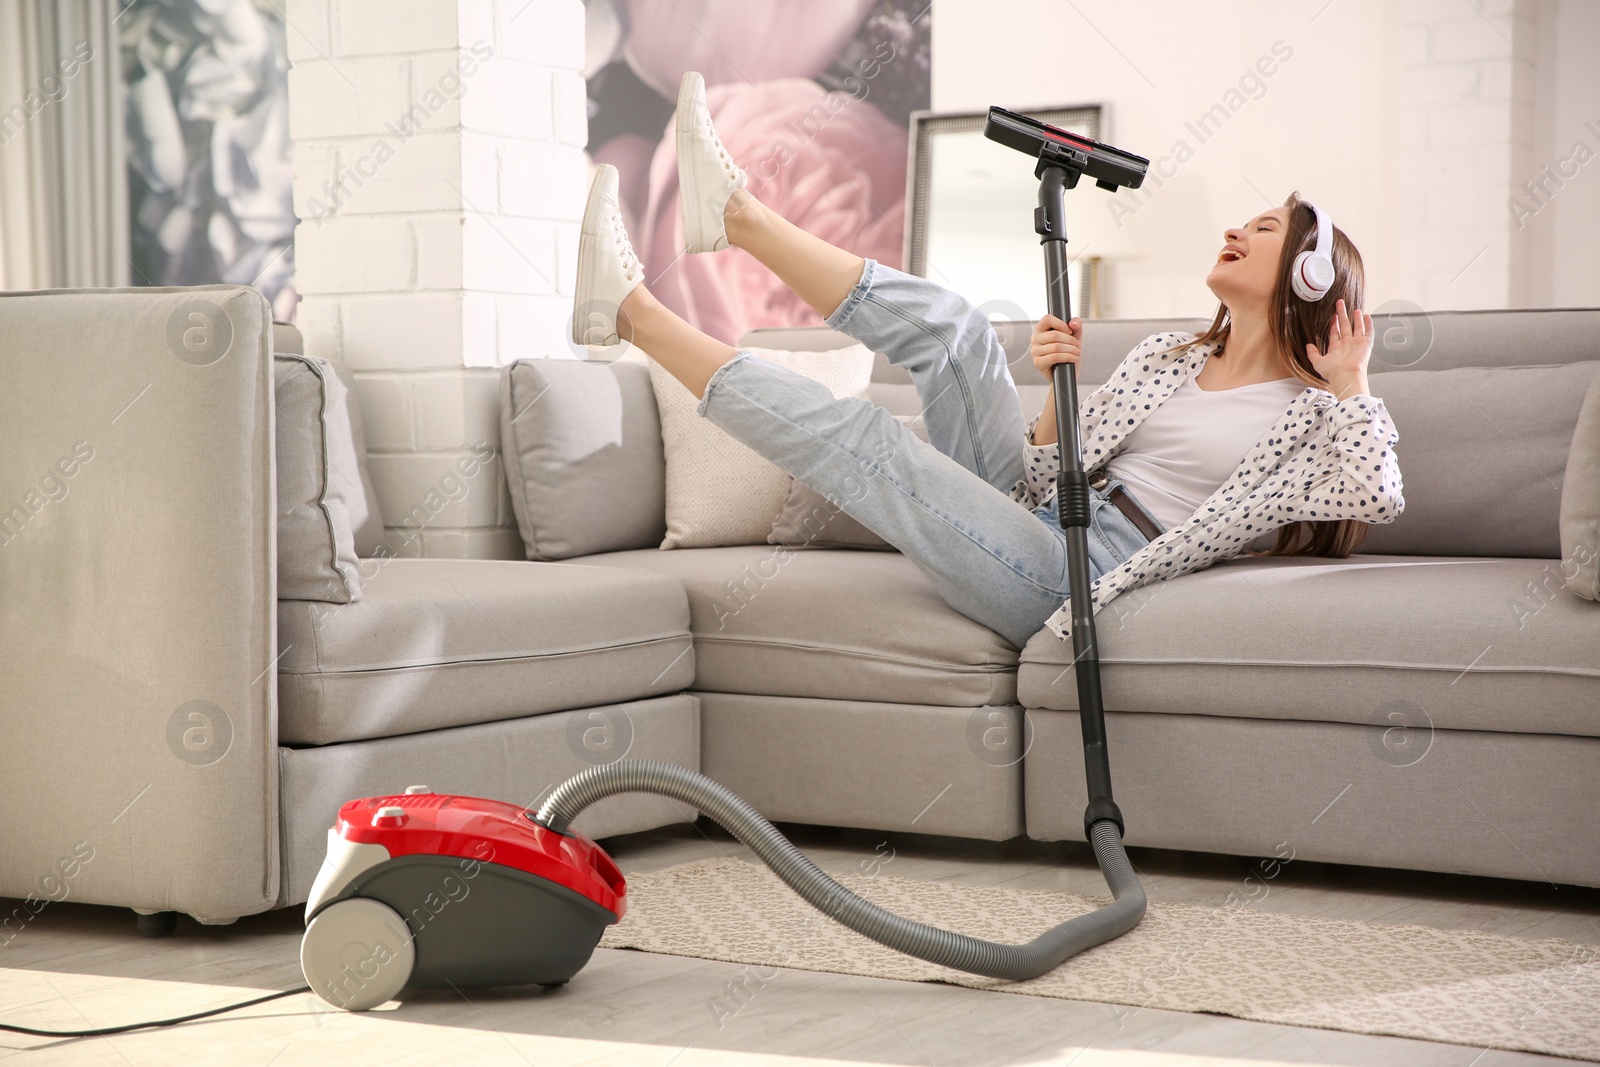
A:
(1295, 323)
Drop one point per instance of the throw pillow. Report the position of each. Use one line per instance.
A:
(582, 448)
(366, 521)
(810, 520)
(318, 483)
(365, 518)
(720, 491)
(1580, 502)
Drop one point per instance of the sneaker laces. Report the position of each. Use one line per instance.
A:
(727, 161)
(630, 260)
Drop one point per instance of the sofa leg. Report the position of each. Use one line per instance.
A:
(157, 923)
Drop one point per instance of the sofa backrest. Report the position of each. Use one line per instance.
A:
(1485, 403)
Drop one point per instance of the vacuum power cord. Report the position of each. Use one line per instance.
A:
(989, 958)
(161, 1022)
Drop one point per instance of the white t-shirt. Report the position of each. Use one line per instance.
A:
(1193, 442)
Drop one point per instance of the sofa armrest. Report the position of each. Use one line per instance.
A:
(137, 560)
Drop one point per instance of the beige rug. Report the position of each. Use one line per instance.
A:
(1467, 988)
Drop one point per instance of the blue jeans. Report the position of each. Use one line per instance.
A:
(944, 503)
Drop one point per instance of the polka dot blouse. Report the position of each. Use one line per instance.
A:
(1325, 459)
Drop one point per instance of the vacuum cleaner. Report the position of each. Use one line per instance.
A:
(429, 890)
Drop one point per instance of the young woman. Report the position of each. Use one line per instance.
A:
(1198, 445)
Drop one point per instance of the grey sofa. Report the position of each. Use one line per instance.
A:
(1387, 709)
(1431, 702)
(178, 739)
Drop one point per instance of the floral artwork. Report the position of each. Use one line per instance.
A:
(813, 100)
(210, 184)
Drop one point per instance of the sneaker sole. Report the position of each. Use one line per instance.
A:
(584, 308)
(689, 193)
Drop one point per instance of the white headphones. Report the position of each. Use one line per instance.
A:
(1313, 272)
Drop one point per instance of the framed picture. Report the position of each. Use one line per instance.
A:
(969, 214)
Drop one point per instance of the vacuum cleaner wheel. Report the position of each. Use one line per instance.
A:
(357, 954)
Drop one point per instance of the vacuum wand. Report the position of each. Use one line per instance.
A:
(1072, 502)
(1062, 158)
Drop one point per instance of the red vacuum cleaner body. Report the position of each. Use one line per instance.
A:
(431, 890)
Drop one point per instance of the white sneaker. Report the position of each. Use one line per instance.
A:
(608, 268)
(707, 175)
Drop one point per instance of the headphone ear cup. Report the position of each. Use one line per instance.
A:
(1312, 276)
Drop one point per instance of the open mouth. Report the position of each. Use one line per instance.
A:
(1228, 255)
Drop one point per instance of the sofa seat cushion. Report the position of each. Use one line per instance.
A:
(434, 643)
(1398, 642)
(840, 624)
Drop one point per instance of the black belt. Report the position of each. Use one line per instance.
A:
(1126, 505)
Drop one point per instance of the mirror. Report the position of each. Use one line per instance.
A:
(969, 214)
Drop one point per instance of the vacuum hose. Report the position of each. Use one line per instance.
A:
(993, 959)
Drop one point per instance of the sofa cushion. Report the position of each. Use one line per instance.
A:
(444, 642)
(1447, 643)
(1580, 502)
(582, 447)
(1482, 451)
(721, 491)
(318, 483)
(830, 623)
(365, 519)
(809, 520)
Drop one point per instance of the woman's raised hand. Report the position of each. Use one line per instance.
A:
(1055, 342)
(1344, 365)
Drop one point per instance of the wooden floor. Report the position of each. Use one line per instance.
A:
(76, 966)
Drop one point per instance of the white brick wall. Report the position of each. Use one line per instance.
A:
(546, 32)
(440, 175)
(347, 97)
(1462, 117)
(394, 27)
